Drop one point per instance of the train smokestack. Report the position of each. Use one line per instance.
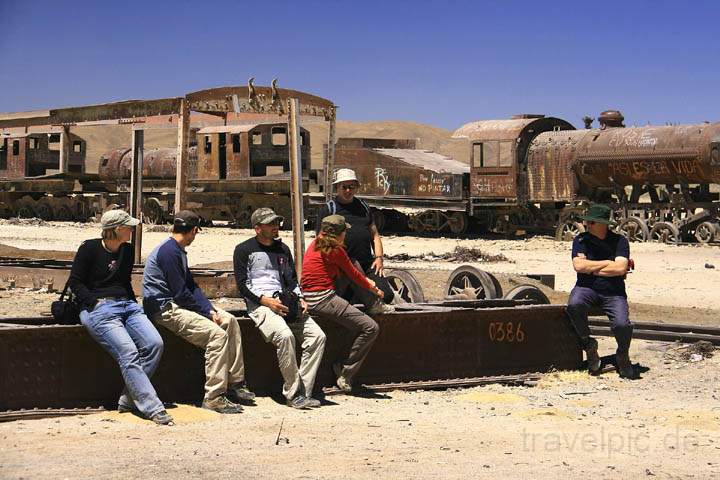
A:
(611, 119)
(587, 120)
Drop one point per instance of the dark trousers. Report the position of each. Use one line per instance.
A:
(354, 294)
(615, 307)
(339, 310)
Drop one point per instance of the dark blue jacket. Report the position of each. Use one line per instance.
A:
(167, 278)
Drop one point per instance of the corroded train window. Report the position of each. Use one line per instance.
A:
(490, 154)
(477, 150)
(77, 146)
(278, 136)
(16, 147)
(208, 144)
(505, 154)
(236, 143)
(32, 143)
(257, 138)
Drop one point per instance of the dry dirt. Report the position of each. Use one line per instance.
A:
(664, 425)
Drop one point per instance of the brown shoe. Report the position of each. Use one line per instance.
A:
(624, 366)
(593, 358)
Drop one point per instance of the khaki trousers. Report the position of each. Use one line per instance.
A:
(274, 329)
(224, 363)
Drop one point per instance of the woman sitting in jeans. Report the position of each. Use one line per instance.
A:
(325, 261)
(100, 280)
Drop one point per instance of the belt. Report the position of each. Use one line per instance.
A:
(112, 299)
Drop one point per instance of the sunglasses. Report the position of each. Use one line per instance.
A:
(349, 187)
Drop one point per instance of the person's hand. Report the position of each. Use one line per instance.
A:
(377, 265)
(275, 305)
(371, 282)
(378, 293)
(304, 306)
(216, 317)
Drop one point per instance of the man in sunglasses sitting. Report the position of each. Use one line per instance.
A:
(601, 259)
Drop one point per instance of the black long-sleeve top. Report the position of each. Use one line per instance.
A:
(90, 277)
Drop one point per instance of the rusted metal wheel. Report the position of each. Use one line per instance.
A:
(153, 213)
(64, 213)
(44, 210)
(568, 229)
(470, 282)
(457, 222)
(406, 287)
(705, 232)
(634, 229)
(665, 232)
(527, 292)
(25, 208)
(379, 219)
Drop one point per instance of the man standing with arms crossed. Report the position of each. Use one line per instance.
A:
(601, 259)
(172, 299)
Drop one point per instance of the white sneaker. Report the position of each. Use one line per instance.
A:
(380, 307)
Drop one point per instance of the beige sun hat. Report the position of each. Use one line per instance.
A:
(344, 175)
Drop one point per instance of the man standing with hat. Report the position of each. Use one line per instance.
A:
(362, 243)
(601, 259)
(173, 300)
(266, 277)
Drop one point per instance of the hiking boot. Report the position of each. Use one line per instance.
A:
(126, 409)
(342, 382)
(624, 366)
(380, 307)
(593, 359)
(301, 402)
(162, 418)
(241, 392)
(312, 402)
(221, 404)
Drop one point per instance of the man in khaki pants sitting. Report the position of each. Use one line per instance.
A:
(172, 299)
(266, 277)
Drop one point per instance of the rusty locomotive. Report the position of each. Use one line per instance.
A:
(536, 174)
(233, 169)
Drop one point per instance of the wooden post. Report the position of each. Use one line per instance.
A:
(181, 175)
(329, 163)
(296, 193)
(138, 140)
(64, 149)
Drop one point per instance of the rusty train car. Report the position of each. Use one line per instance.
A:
(536, 174)
(233, 169)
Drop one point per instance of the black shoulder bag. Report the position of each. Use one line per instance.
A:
(66, 311)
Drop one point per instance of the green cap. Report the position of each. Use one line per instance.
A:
(334, 224)
(599, 213)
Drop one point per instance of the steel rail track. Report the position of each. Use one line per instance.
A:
(34, 413)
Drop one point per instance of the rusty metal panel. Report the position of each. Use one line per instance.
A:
(61, 366)
(402, 173)
(658, 155)
(549, 166)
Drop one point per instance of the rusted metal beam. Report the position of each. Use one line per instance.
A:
(181, 176)
(61, 366)
(296, 190)
(329, 160)
(138, 148)
(64, 149)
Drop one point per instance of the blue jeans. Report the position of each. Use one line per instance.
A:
(615, 307)
(124, 331)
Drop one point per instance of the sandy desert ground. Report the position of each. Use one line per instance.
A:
(664, 425)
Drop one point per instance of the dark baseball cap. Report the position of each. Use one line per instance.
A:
(334, 224)
(187, 218)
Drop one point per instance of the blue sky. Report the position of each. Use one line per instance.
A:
(439, 63)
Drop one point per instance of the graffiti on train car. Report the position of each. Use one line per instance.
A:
(499, 186)
(633, 138)
(435, 183)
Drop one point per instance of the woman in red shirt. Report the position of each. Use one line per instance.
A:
(324, 262)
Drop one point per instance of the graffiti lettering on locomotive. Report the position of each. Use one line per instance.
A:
(431, 183)
(493, 186)
(633, 138)
(381, 180)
